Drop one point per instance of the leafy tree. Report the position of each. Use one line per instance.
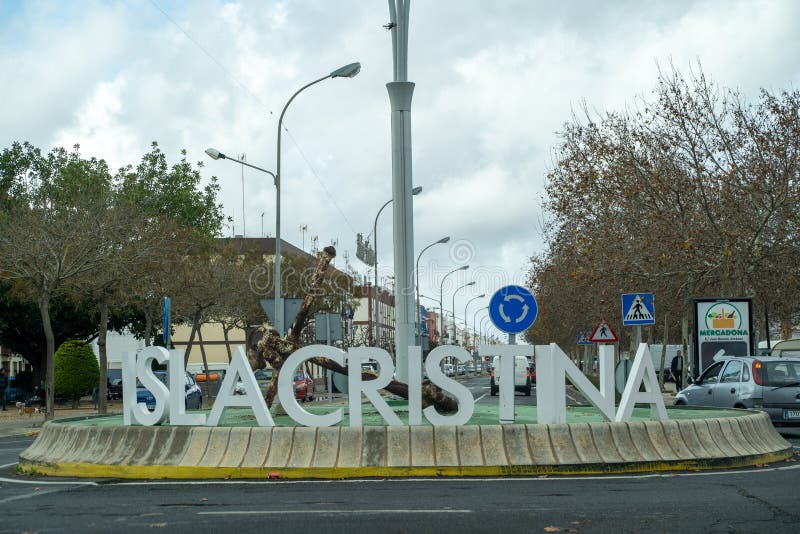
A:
(47, 227)
(76, 370)
(692, 194)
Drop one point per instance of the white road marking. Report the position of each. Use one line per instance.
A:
(8, 465)
(342, 512)
(28, 495)
(479, 398)
(47, 482)
(455, 480)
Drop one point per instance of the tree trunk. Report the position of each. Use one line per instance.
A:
(685, 343)
(49, 382)
(663, 352)
(148, 328)
(227, 341)
(205, 363)
(195, 319)
(102, 350)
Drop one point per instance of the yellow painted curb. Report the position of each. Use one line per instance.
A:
(84, 470)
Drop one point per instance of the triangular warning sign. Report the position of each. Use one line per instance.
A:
(638, 310)
(603, 333)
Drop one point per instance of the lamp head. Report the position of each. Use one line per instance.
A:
(348, 71)
(464, 268)
(417, 190)
(444, 240)
(214, 153)
(471, 283)
(481, 295)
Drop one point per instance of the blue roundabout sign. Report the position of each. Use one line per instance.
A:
(513, 309)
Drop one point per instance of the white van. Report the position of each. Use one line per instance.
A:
(448, 370)
(522, 375)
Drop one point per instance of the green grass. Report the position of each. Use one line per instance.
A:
(484, 414)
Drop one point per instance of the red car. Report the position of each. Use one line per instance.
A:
(303, 387)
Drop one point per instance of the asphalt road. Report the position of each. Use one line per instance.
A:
(749, 500)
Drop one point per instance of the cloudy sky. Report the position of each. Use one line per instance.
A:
(494, 83)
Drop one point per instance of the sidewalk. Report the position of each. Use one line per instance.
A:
(12, 423)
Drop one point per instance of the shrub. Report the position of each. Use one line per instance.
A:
(76, 370)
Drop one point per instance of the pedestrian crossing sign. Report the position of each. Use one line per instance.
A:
(583, 338)
(638, 309)
(603, 333)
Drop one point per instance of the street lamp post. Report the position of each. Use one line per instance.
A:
(483, 331)
(454, 309)
(347, 71)
(441, 296)
(416, 191)
(474, 316)
(465, 312)
(418, 314)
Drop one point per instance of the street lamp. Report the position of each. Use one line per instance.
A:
(418, 314)
(416, 191)
(454, 309)
(465, 311)
(474, 316)
(347, 71)
(480, 327)
(441, 297)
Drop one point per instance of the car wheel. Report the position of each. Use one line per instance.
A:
(680, 403)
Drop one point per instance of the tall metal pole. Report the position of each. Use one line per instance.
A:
(243, 157)
(400, 94)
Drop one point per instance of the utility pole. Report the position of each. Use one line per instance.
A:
(243, 158)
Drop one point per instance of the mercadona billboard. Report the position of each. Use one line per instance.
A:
(724, 325)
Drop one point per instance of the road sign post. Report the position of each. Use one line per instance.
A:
(165, 323)
(513, 309)
(603, 333)
(638, 309)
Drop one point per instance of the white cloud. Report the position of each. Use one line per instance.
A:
(494, 82)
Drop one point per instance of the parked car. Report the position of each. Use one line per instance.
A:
(522, 376)
(765, 383)
(471, 367)
(461, 369)
(448, 369)
(193, 395)
(303, 386)
(263, 374)
(114, 389)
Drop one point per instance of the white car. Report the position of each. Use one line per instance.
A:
(522, 376)
(449, 370)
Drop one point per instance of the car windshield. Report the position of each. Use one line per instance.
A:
(781, 373)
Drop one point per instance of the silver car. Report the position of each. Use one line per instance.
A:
(764, 383)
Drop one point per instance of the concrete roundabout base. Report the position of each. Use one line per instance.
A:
(64, 448)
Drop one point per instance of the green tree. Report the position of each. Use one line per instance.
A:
(49, 215)
(76, 370)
